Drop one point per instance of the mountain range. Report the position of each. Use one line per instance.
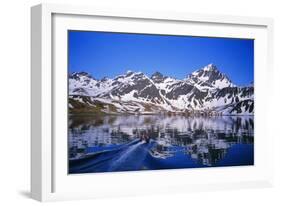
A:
(206, 91)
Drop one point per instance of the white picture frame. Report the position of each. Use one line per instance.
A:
(49, 179)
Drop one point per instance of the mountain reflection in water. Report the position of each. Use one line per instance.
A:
(113, 142)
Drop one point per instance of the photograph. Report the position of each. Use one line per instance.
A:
(141, 102)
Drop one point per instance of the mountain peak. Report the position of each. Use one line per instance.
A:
(210, 75)
(210, 67)
(129, 73)
(157, 77)
(156, 74)
(104, 79)
(76, 75)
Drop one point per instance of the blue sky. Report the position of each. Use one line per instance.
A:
(110, 54)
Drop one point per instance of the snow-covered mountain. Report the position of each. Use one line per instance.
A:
(206, 91)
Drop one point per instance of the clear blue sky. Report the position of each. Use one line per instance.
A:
(109, 54)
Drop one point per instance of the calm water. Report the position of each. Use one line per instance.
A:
(115, 143)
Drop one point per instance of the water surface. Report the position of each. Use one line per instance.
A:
(116, 142)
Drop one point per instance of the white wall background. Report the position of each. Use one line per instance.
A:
(15, 95)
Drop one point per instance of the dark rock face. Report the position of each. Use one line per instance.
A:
(181, 88)
(234, 91)
(227, 91)
(157, 77)
(243, 106)
(151, 93)
(78, 75)
(104, 79)
(80, 90)
(198, 95)
(247, 91)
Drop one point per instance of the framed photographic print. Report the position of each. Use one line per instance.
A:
(136, 102)
(129, 121)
